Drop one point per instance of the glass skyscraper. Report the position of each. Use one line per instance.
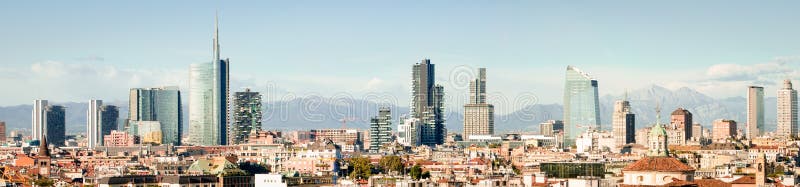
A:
(427, 103)
(581, 104)
(209, 98)
(157, 104)
(56, 127)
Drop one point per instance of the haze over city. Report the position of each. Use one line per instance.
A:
(411, 93)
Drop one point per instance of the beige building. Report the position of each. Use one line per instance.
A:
(755, 111)
(623, 123)
(724, 129)
(787, 110)
(478, 115)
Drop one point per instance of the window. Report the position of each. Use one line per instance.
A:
(640, 178)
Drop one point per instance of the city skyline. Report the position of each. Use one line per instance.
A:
(722, 72)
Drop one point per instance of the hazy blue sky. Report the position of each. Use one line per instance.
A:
(74, 51)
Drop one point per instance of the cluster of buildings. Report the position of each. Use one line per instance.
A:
(226, 146)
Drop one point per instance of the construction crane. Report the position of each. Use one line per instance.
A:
(345, 120)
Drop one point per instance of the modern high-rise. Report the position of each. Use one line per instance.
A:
(39, 119)
(755, 111)
(787, 110)
(681, 119)
(246, 116)
(380, 129)
(162, 105)
(209, 98)
(94, 119)
(623, 123)
(48, 121)
(110, 115)
(55, 130)
(427, 103)
(478, 115)
(581, 104)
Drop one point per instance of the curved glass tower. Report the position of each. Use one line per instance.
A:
(209, 96)
(581, 104)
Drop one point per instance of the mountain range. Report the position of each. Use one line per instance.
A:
(319, 112)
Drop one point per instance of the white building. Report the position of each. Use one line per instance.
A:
(595, 141)
(94, 122)
(409, 131)
(39, 119)
(270, 180)
(787, 110)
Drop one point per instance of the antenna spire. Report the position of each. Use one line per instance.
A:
(216, 36)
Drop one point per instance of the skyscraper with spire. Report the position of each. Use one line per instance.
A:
(209, 98)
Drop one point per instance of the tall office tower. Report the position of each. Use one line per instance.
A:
(110, 116)
(56, 129)
(723, 129)
(408, 132)
(380, 129)
(478, 115)
(581, 104)
(162, 105)
(755, 111)
(94, 119)
(624, 123)
(209, 98)
(39, 119)
(3, 137)
(551, 127)
(246, 116)
(427, 103)
(681, 119)
(787, 110)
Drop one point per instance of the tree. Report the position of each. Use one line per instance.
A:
(392, 163)
(426, 174)
(254, 168)
(416, 172)
(361, 168)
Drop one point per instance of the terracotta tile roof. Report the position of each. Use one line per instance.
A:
(663, 164)
(745, 180)
(711, 183)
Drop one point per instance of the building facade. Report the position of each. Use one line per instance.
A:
(787, 111)
(246, 116)
(94, 119)
(55, 125)
(157, 104)
(623, 123)
(380, 129)
(755, 111)
(681, 119)
(209, 98)
(39, 119)
(581, 104)
(408, 132)
(551, 127)
(724, 129)
(110, 120)
(478, 115)
(427, 103)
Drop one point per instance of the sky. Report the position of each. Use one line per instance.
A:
(75, 51)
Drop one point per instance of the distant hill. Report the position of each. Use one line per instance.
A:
(319, 112)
